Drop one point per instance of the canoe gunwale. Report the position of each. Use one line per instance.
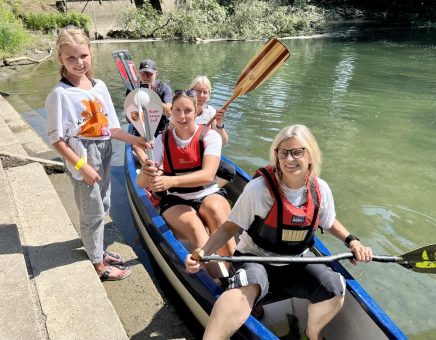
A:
(204, 289)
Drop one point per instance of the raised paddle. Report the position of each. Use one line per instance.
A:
(422, 260)
(262, 66)
(142, 107)
(127, 69)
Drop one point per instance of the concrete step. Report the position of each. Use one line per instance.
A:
(20, 313)
(32, 143)
(9, 142)
(72, 298)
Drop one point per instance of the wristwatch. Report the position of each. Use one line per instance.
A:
(350, 238)
(220, 126)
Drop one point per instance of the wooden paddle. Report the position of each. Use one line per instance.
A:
(262, 66)
(422, 260)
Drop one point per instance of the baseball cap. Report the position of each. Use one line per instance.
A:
(147, 65)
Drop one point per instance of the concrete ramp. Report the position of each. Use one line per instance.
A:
(72, 298)
(18, 308)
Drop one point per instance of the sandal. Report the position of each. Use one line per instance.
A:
(119, 258)
(106, 275)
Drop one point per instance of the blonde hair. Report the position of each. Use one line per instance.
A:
(202, 80)
(72, 35)
(303, 135)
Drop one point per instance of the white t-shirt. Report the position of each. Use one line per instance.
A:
(74, 112)
(256, 200)
(206, 115)
(213, 143)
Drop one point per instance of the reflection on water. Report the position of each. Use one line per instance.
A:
(371, 104)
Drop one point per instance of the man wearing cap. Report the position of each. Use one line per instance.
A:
(148, 74)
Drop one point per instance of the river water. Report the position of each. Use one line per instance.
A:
(369, 96)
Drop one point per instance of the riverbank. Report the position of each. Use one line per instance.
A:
(48, 288)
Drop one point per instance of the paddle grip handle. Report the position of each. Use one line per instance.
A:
(225, 107)
(196, 254)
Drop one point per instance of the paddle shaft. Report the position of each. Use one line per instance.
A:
(129, 70)
(262, 66)
(298, 259)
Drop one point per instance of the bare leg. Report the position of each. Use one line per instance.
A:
(230, 312)
(187, 225)
(320, 314)
(214, 211)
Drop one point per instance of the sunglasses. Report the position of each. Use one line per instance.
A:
(295, 153)
(189, 93)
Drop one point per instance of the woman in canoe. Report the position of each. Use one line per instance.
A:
(190, 155)
(279, 212)
(203, 88)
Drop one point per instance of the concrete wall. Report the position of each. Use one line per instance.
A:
(104, 16)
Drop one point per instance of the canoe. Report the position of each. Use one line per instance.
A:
(360, 318)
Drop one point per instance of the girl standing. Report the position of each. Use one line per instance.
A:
(81, 121)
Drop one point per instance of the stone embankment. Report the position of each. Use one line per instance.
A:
(48, 288)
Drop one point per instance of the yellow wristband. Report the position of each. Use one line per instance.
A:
(79, 164)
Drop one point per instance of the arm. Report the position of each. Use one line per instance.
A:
(361, 252)
(90, 176)
(201, 177)
(224, 233)
(167, 109)
(167, 99)
(122, 135)
(219, 121)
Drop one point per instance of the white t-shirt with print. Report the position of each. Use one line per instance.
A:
(213, 143)
(256, 200)
(70, 110)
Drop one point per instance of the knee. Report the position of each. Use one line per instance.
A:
(334, 285)
(216, 207)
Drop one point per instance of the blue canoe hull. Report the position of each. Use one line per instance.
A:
(360, 318)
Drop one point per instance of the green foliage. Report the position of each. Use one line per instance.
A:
(238, 19)
(199, 19)
(47, 22)
(140, 23)
(13, 37)
(251, 19)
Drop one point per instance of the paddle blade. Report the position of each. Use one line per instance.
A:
(151, 110)
(127, 69)
(422, 260)
(262, 66)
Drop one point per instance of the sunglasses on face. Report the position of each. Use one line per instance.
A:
(189, 93)
(203, 92)
(295, 153)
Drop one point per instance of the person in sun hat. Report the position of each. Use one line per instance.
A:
(148, 73)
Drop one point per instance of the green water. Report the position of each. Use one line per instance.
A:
(370, 100)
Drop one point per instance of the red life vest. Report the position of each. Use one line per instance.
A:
(287, 229)
(180, 161)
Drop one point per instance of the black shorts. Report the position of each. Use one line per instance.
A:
(169, 201)
(314, 282)
(226, 171)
